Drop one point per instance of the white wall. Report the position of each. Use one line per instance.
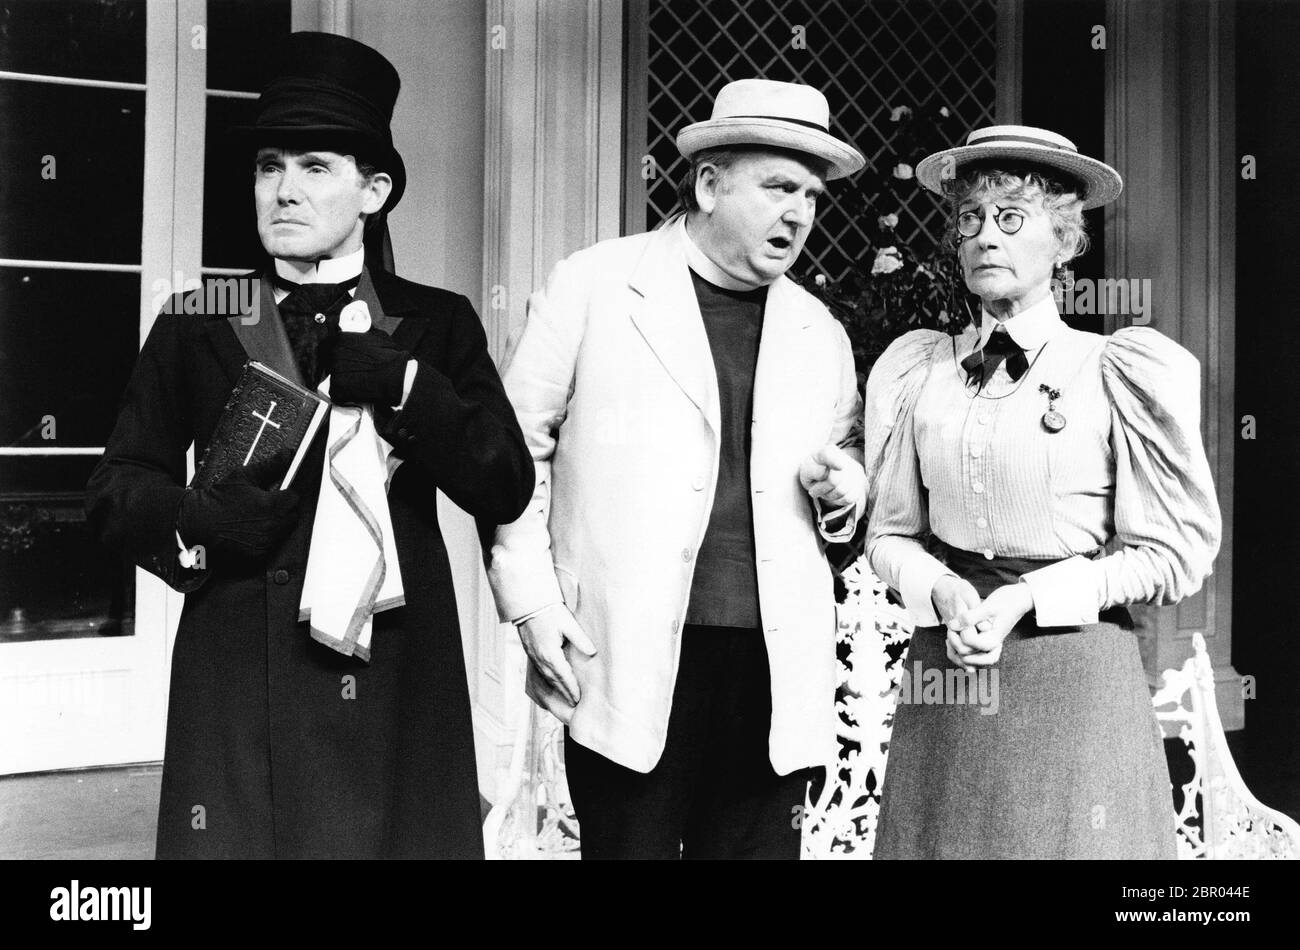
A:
(438, 47)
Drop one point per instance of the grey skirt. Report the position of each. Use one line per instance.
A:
(1053, 753)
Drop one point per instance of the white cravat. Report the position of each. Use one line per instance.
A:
(352, 569)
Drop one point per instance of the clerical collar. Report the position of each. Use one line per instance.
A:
(1030, 328)
(334, 270)
(703, 265)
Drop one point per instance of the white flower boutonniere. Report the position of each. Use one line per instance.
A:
(355, 317)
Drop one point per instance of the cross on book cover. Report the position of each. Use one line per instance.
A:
(266, 427)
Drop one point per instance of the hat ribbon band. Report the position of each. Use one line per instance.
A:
(1020, 138)
(781, 118)
(295, 89)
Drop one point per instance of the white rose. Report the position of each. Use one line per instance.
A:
(887, 221)
(903, 171)
(820, 280)
(943, 111)
(355, 317)
(887, 261)
(898, 113)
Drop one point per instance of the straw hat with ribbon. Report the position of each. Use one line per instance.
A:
(1022, 144)
(781, 114)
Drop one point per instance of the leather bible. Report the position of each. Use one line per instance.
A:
(266, 427)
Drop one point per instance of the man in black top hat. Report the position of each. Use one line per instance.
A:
(277, 744)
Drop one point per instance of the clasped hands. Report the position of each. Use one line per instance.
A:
(977, 628)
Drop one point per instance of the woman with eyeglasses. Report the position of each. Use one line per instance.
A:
(1019, 449)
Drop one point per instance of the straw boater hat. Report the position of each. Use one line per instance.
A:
(1098, 182)
(781, 114)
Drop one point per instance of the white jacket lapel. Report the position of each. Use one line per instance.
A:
(667, 315)
(785, 319)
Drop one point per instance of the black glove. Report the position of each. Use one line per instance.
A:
(367, 367)
(234, 519)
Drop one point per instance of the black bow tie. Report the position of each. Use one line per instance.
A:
(981, 364)
(313, 298)
(306, 313)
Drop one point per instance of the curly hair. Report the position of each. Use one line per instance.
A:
(1060, 196)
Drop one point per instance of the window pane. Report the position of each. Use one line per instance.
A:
(79, 39)
(68, 341)
(229, 219)
(243, 37)
(45, 473)
(71, 172)
(55, 582)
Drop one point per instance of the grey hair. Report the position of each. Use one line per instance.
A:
(1060, 196)
(720, 158)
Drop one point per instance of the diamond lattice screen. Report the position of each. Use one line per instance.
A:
(867, 57)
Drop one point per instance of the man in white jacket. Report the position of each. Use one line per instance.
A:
(695, 423)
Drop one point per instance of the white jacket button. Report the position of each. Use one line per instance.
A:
(698, 483)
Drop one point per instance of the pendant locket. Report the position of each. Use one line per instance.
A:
(1053, 421)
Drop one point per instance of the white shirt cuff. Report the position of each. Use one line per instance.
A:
(407, 383)
(533, 613)
(1065, 593)
(827, 522)
(188, 556)
(916, 580)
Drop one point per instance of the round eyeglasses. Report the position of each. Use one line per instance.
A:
(1008, 220)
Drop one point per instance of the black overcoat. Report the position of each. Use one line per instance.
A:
(277, 746)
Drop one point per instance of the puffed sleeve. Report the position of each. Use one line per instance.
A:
(896, 497)
(1167, 517)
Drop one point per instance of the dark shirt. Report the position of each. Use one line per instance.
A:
(724, 592)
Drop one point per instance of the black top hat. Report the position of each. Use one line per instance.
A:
(329, 90)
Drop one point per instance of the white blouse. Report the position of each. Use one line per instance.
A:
(984, 474)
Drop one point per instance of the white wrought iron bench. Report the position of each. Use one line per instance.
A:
(1219, 817)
